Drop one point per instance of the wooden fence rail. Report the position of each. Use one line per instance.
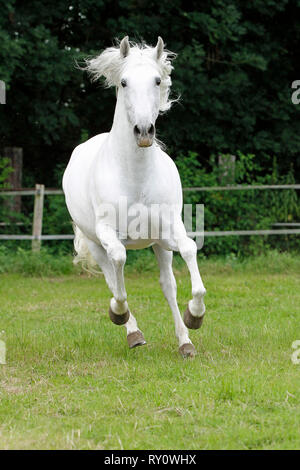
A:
(39, 192)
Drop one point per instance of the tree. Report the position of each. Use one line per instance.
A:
(236, 62)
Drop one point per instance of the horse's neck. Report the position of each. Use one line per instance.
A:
(123, 148)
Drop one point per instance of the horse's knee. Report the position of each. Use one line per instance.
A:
(117, 253)
(187, 248)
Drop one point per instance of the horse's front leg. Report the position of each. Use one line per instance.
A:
(118, 311)
(194, 314)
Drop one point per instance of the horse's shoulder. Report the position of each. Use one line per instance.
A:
(83, 156)
(168, 161)
(91, 144)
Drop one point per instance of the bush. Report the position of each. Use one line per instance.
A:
(241, 210)
(5, 171)
(31, 263)
(224, 210)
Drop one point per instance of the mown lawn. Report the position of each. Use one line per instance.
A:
(71, 382)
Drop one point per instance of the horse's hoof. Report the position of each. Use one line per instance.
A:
(191, 322)
(118, 319)
(135, 339)
(187, 350)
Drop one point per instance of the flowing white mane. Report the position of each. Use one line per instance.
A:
(110, 64)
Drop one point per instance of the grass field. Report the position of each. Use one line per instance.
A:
(71, 382)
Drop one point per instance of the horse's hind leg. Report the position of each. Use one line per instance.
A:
(118, 311)
(168, 285)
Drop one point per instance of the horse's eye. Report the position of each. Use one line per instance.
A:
(158, 81)
(123, 82)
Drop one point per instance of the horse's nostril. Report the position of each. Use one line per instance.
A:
(136, 130)
(144, 131)
(151, 129)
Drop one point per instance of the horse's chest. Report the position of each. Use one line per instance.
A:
(146, 193)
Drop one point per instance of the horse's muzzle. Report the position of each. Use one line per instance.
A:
(144, 135)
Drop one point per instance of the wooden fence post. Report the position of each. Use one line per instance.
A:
(38, 216)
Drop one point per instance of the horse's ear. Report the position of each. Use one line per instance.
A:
(124, 47)
(159, 48)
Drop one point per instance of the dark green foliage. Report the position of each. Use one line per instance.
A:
(45, 263)
(26, 262)
(236, 62)
(223, 210)
(5, 170)
(242, 210)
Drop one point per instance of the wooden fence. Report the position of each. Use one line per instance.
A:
(40, 192)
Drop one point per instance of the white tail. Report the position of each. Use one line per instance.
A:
(83, 254)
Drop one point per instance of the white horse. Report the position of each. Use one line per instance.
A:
(128, 164)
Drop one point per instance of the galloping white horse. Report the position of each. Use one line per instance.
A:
(128, 164)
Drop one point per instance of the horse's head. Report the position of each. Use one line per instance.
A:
(140, 90)
(142, 76)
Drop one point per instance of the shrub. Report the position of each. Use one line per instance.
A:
(241, 210)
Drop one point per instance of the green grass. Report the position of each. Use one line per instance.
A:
(71, 382)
